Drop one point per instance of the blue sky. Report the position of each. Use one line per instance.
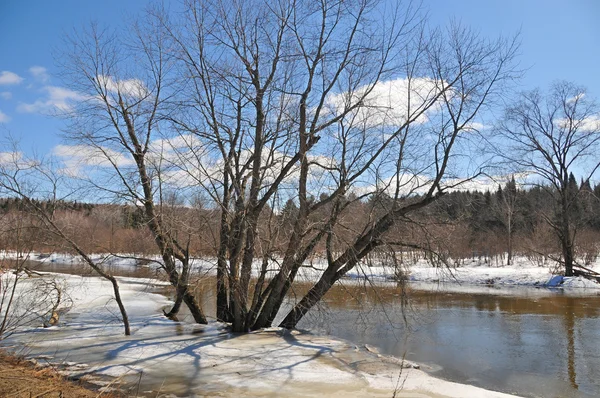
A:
(560, 40)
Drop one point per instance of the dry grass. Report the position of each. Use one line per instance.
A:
(21, 379)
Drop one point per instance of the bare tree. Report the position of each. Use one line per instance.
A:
(26, 297)
(252, 104)
(28, 180)
(125, 83)
(506, 208)
(315, 102)
(552, 136)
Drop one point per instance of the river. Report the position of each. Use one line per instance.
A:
(526, 341)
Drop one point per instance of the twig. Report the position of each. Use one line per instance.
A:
(44, 393)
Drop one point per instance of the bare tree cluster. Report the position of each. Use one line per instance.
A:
(252, 107)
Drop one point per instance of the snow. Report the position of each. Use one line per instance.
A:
(523, 271)
(194, 360)
(559, 281)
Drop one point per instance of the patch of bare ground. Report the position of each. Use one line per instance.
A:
(22, 379)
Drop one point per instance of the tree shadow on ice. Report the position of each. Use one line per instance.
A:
(228, 360)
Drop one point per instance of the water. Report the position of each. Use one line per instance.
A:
(530, 342)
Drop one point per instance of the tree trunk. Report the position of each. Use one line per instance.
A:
(120, 304)
(172, 315)
(566, 241)
(192, 304)
(510, 248)
(223, 313)
(568, 257)
(348, 260)
(180, 282)
(315, 294)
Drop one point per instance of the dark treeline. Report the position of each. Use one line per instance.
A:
(499, 224)
(18, 204)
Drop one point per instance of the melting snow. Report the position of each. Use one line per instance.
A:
(192, 360)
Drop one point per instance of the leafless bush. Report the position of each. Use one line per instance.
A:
(27, 298)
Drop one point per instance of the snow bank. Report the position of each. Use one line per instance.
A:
(523, 272)
(190, 360)
(579, 282)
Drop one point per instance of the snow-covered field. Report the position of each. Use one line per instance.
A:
(192, 360)
(522, 273)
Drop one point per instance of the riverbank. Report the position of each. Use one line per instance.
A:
(477, 271)
(164, 357)
(22, 379)
(523, 272)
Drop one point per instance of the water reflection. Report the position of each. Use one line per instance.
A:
(569, 320)
(532, 343)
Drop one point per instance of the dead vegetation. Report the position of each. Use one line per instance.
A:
(21, 379)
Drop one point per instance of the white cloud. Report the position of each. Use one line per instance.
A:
(4, 117)
(76, 157)
(575, 98)
(8, 158)
(94, 156)
(407, 184)
(182, 141)
(589, 124)
(8, 78)
(410, 184)
(130, 87)
(488, 182)
(40, 73)
(6, 95)
(183, 160)
(57, 99)
(390, 103)
(475, 126)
